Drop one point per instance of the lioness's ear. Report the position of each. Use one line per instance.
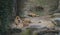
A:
(16, 17)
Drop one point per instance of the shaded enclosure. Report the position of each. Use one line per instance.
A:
(9, 9)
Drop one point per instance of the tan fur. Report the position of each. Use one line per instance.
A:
(18, 20)
(17, 23)
(26, 22)
(33, 15)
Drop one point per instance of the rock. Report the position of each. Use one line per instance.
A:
(39, 23)
(57, 14)
(57, 21)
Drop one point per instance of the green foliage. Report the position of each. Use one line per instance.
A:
(6, 7)
(50, 5)
(26, 32)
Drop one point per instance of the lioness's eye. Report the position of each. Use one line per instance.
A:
(19, 21)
